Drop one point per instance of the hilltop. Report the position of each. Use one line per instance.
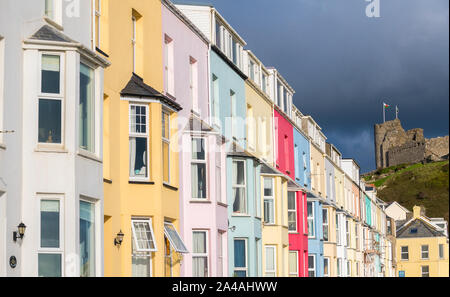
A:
(415, 184)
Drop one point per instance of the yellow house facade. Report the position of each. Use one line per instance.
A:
(421, 248)
(140, 150)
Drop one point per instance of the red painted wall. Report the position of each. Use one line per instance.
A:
(284, 138)
(299, 241)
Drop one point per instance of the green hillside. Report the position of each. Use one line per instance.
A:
(419, 184)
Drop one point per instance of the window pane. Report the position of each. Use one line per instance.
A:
(270, 259)
(49, 265)
(240, 273)
(239, 204)
(199, 180)
(198, 149)
(239, 253)
(87, 239)
(199, 266)
(50, 224)
(268, 211)
(165, 125)
(293, 262)
(140, 266)
(86, 108)
(49, 121)
(174, 238)
(138, 119)
(166, 164)
(138, 157)
(325, 267)
(199, 242)
(238, 173)
(292, 221)
(268, 187)
(291, 200)
(50, 78)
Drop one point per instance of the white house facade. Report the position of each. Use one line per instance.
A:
(51, 172)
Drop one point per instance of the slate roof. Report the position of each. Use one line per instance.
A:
(49, 33)
(421, 230)
(196, 124)
(137, 88)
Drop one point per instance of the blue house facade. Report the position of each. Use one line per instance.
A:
(315, 237)
(228, 108)
(302, 159)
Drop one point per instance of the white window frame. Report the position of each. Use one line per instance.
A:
(326, 259)
(199, 161)
(274, 271)
(272, 198)
(56, 9)
(233, 113)
(292, 274)
(149, 222)
(325, 223)
(215, 106)
(314, 262)
(97, 232)
(295, 213)
(202, 255)
(183, 249)
(244, 186)
(339, 267)
(349, 268)
(347, 232)
(140, 135)
(220, 257)
(403, 253)
(60, 249)
(50, 96)
(313, 235)
(94, 106)
(167, 141)
(218, 174)
(2, 83)
(427, 252)
(246, 256)
(338, 230)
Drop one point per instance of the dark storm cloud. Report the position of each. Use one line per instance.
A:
(343, 65)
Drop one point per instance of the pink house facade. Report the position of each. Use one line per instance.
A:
(284, 140)
(203, 208)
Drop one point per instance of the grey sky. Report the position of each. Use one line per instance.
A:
(343, 65)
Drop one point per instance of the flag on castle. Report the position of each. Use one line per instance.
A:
(385, 106)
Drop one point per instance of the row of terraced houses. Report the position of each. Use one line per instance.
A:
(143, 138)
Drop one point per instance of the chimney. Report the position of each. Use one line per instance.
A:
(417, 211)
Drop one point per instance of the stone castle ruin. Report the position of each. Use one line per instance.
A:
(394, 145)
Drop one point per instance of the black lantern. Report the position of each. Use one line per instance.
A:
(119, 238)
(20, 231)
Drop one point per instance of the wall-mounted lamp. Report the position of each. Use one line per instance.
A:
(20, 232)
(119, 238)
(232, 228)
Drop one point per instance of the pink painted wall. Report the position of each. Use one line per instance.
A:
(207, 215)
(299, 241)
(284, 138)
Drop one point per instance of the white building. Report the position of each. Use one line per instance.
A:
(51, 179)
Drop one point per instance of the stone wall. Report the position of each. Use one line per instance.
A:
(394, 145)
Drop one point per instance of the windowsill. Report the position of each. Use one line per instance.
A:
(49, 148)
(293, 232)
(200, 201)
(240, 215)
(106, 180)
(269, 224)
(166, 185)
(89, 155)
(2, 146)
(141, 182)
(222, 204)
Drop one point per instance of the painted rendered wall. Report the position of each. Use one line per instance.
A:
(315, 244)
(317, 168)
(298, 241)
(284, 139)
(302, 159)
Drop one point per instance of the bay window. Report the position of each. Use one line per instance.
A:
(200, 254)
(87, 108)
(143, 244)
(292, 212)
(87, 239)
(269, 201)
(311, 227)
(50, 248)
(270, 268)
(166, 146)
(198, 169)
(50, 99)
(239, 187)
(326, 267)
(138, 138)
(240, 258)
